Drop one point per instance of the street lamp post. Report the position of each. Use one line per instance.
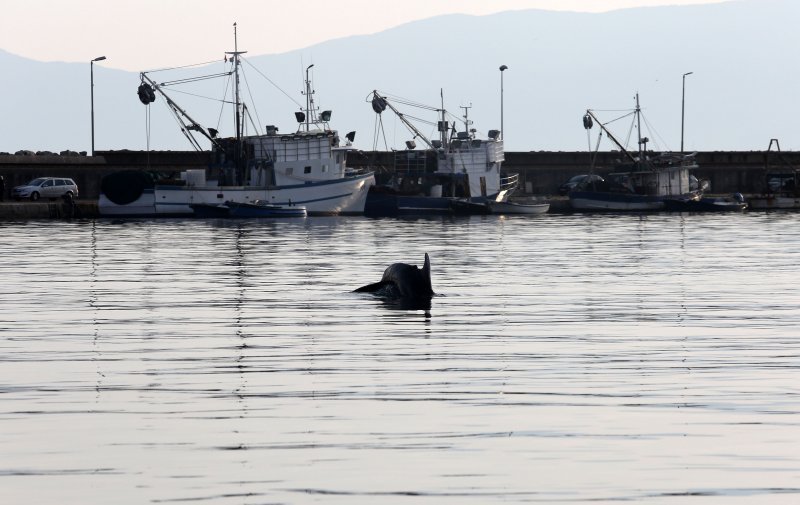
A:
(683, 105)
(91, 76)
(502, 130)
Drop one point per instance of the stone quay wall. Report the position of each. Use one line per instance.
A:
(540, 172)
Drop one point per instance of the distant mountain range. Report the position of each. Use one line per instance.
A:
(743, 90)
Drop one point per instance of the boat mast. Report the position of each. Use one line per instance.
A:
(639, 128)
(443, 127)
(235, 55)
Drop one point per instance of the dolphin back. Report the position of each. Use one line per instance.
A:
(401, 280)
(410, 280)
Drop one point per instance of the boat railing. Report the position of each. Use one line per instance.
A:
(509, 183)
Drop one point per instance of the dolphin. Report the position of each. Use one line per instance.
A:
(403, 282)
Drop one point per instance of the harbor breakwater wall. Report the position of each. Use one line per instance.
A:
(540, 172)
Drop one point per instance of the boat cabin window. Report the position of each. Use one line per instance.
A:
(307, 170)
(289, 170)
(324, 168)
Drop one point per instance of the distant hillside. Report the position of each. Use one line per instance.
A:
(742, 92)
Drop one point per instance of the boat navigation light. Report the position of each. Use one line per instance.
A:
(326, 115)
(411, 145)
(300, 116)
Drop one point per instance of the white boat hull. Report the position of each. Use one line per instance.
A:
(142, 206)
(339, 196)
(518, 208)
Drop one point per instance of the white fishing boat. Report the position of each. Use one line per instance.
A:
(305, 168)
(640, 184)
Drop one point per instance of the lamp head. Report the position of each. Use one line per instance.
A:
(99, 58)
(503, 67)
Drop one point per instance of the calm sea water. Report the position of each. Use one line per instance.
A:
(565, 359)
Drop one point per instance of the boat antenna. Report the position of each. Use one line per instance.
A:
(467, 122)
(309, 100)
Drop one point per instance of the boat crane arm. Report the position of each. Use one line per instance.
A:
(379, 104)
(587, 125)
(194, 125)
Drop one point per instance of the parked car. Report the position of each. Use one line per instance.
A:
(46, 187)
(573, 182)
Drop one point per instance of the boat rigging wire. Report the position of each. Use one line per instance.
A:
(655, 133)
(271, 82)
(147, 133)
(252, 101)
(200, 96)
(379, 130)
(410, 103)
(629, 113)
(630, 132)
(180, 67)
(224, 102)
(193, 79)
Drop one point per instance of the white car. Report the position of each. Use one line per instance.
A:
(46, 187)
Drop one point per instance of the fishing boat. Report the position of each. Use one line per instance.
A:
(642, 183)
(456, 173)
(305, 168)
(257, 209)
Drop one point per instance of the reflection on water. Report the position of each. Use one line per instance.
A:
(565, 359)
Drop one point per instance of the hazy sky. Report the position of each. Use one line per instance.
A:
(145, 34)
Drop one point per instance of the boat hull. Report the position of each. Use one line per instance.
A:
(382, 203)
(144, 205)
(601, 201)
(237, 210)
(774, 202)
(518, 208)
(704, 205)
(347, 195)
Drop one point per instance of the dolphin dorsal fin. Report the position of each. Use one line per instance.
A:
(426, 272)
